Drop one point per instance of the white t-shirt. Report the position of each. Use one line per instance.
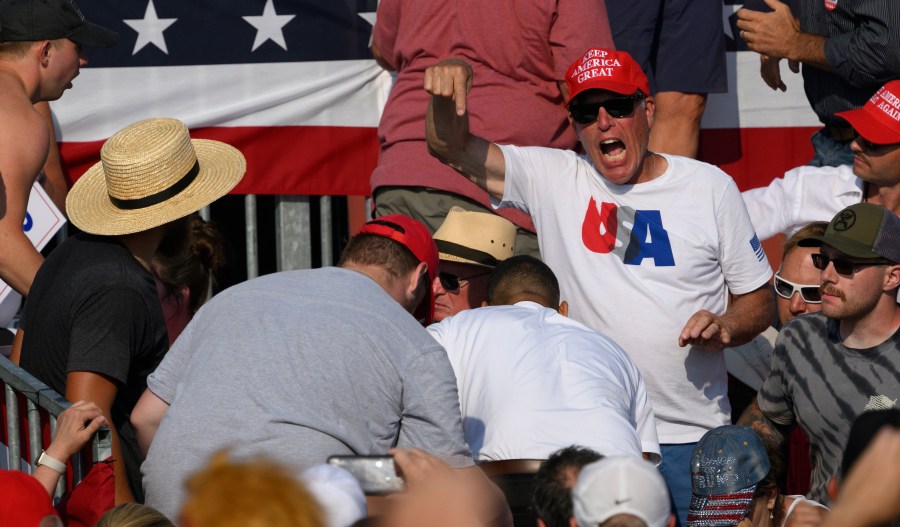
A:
(637, 261)
(532, 381)
(805, 194)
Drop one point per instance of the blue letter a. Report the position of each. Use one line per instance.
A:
(656, 247)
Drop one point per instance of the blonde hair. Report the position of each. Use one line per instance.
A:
(258, 493)
(816, 228)
(133, 515)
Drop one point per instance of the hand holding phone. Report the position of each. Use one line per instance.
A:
(375, 474)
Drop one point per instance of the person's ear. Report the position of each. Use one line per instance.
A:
(650, 109)
(671, 520)
(416, 275)
(572, 522)
(833, 487)
(44, 48)
(436, 287)
(484, 303)
(563, 309)
(892, 278)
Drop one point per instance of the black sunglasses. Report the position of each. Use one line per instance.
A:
(451, 282)
(810, 293)
(844, 267)
(872, 147)
(618, 108)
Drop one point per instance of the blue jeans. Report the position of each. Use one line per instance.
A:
(676, 470)
(828, 152)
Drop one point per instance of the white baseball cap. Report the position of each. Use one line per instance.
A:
(620, 485)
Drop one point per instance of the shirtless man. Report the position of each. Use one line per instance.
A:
(41, 51)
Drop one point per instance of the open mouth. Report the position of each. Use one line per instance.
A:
(613, 150)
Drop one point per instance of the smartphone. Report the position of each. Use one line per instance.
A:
(375, 474)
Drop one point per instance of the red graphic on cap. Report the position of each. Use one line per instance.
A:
(830, 4)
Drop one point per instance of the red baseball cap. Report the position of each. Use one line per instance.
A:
(413, 235)
(25, 502)
(606, 69)
(879, 120)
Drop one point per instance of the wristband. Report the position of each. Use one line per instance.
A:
(51, 463)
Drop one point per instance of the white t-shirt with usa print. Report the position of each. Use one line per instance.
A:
(637, 261)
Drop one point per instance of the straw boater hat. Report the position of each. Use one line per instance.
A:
(475, 238)
(150, 173)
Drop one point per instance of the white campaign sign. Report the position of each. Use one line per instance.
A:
(42, 220)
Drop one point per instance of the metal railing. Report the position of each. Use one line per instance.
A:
(38, 396)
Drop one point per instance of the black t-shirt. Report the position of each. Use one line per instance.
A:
(93, 307)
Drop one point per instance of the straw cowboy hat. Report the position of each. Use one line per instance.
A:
(476, 238)
(150, 173)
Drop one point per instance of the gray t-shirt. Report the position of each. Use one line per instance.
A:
(299, 366)
(823, 386)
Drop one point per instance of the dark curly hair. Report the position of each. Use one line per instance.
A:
(553, 484)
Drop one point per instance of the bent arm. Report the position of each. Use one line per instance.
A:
(777, 34)
(447, 128)
(146, 416)
(809, 49)
(100, 390)
(748, 315)
(870, 53)
(75, 427)
(19, 260)
(21, 159)
(773, 434)
(770, 206)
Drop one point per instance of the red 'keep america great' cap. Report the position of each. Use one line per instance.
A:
(879, 120)
(606, 69)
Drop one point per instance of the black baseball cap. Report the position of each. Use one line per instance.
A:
(32, 20)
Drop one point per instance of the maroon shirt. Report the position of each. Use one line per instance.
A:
(519, 51)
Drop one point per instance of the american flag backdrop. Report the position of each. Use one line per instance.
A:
(292, 84)
(753, 133)
(289, 82)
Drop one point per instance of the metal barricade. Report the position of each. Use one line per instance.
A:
(38, 396)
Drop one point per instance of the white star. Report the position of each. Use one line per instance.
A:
(150, 29)
(370, 18)
(727, 11)
(268, 26)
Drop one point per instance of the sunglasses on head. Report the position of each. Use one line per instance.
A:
(869, 146)
(842, 266)
(451, 282)
(618, 108)
(810, 293)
